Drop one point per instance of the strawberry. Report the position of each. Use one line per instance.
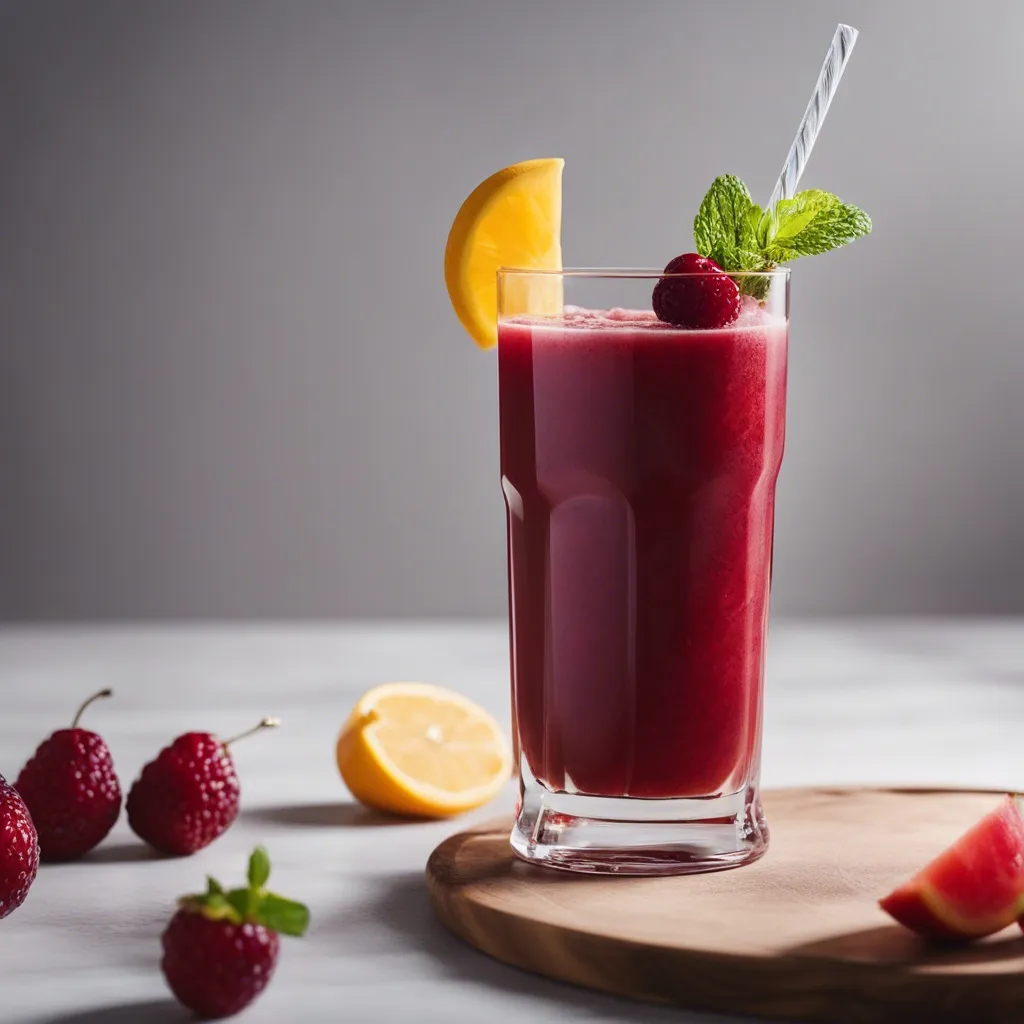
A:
(19, 850)
(71, 790)
(188, 795)
(220, 948)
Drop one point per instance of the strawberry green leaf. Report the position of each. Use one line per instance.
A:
(250, 903)
(281, 915)
(212, 904)
(259, 868)
(244, 901)
(217, 908)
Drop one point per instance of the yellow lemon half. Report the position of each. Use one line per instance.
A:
(421, 750)
(513, 219)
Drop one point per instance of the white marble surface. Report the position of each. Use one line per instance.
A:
(925, 702)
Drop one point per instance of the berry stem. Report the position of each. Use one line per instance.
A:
(267, 723)
(96, 696)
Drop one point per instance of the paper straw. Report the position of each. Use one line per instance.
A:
(814, 116)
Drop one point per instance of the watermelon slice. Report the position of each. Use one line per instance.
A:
(973, 888)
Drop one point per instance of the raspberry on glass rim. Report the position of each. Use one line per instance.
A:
(705, 299)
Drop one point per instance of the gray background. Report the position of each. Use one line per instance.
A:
(230, 381)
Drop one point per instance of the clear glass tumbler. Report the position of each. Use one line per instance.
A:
(639, 463)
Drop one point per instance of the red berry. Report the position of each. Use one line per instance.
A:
(706, 299)
(19, 850)
(217, 968)
(188, 795)
(220, 948)
(71, 790)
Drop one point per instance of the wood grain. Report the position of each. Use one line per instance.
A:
(797, 936)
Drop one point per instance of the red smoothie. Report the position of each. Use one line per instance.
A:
(639, 464)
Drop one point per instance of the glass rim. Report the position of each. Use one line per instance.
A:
(635, 273)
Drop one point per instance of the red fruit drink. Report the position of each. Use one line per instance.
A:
(639, 463)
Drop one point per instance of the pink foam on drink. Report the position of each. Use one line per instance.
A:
(752, 314)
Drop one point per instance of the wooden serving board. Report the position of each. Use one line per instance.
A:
(797, 936)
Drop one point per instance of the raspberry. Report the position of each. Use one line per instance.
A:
(216, 968)
(704, 299)
(220, 948)
(19, 850)
(188, 795)
(71, 790)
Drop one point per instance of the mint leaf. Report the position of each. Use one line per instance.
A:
(281, 915)
(738, 235)
(722, 229)
(813, 222)
(759, 225)
(757, 287)
(729, 229)
(735, 258)
(259, 868)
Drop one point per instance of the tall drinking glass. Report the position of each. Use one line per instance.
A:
(639, 463)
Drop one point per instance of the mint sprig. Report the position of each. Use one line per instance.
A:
(725, 228)
(739, 235)
(252, 903)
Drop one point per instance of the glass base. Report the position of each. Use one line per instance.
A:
(627, 836)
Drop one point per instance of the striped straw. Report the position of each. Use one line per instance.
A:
(814, 116)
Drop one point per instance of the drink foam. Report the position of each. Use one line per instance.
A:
(752, 315)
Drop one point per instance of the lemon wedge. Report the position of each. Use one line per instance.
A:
(421, 750)
(513, 219)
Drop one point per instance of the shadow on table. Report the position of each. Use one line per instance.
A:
(329, 815)
(401, 904)
(149, 1011)
(127, 852)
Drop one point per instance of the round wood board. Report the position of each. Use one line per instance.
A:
(797, 936)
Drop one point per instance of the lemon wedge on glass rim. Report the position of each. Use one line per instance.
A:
(513, 219)
(421, 750)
